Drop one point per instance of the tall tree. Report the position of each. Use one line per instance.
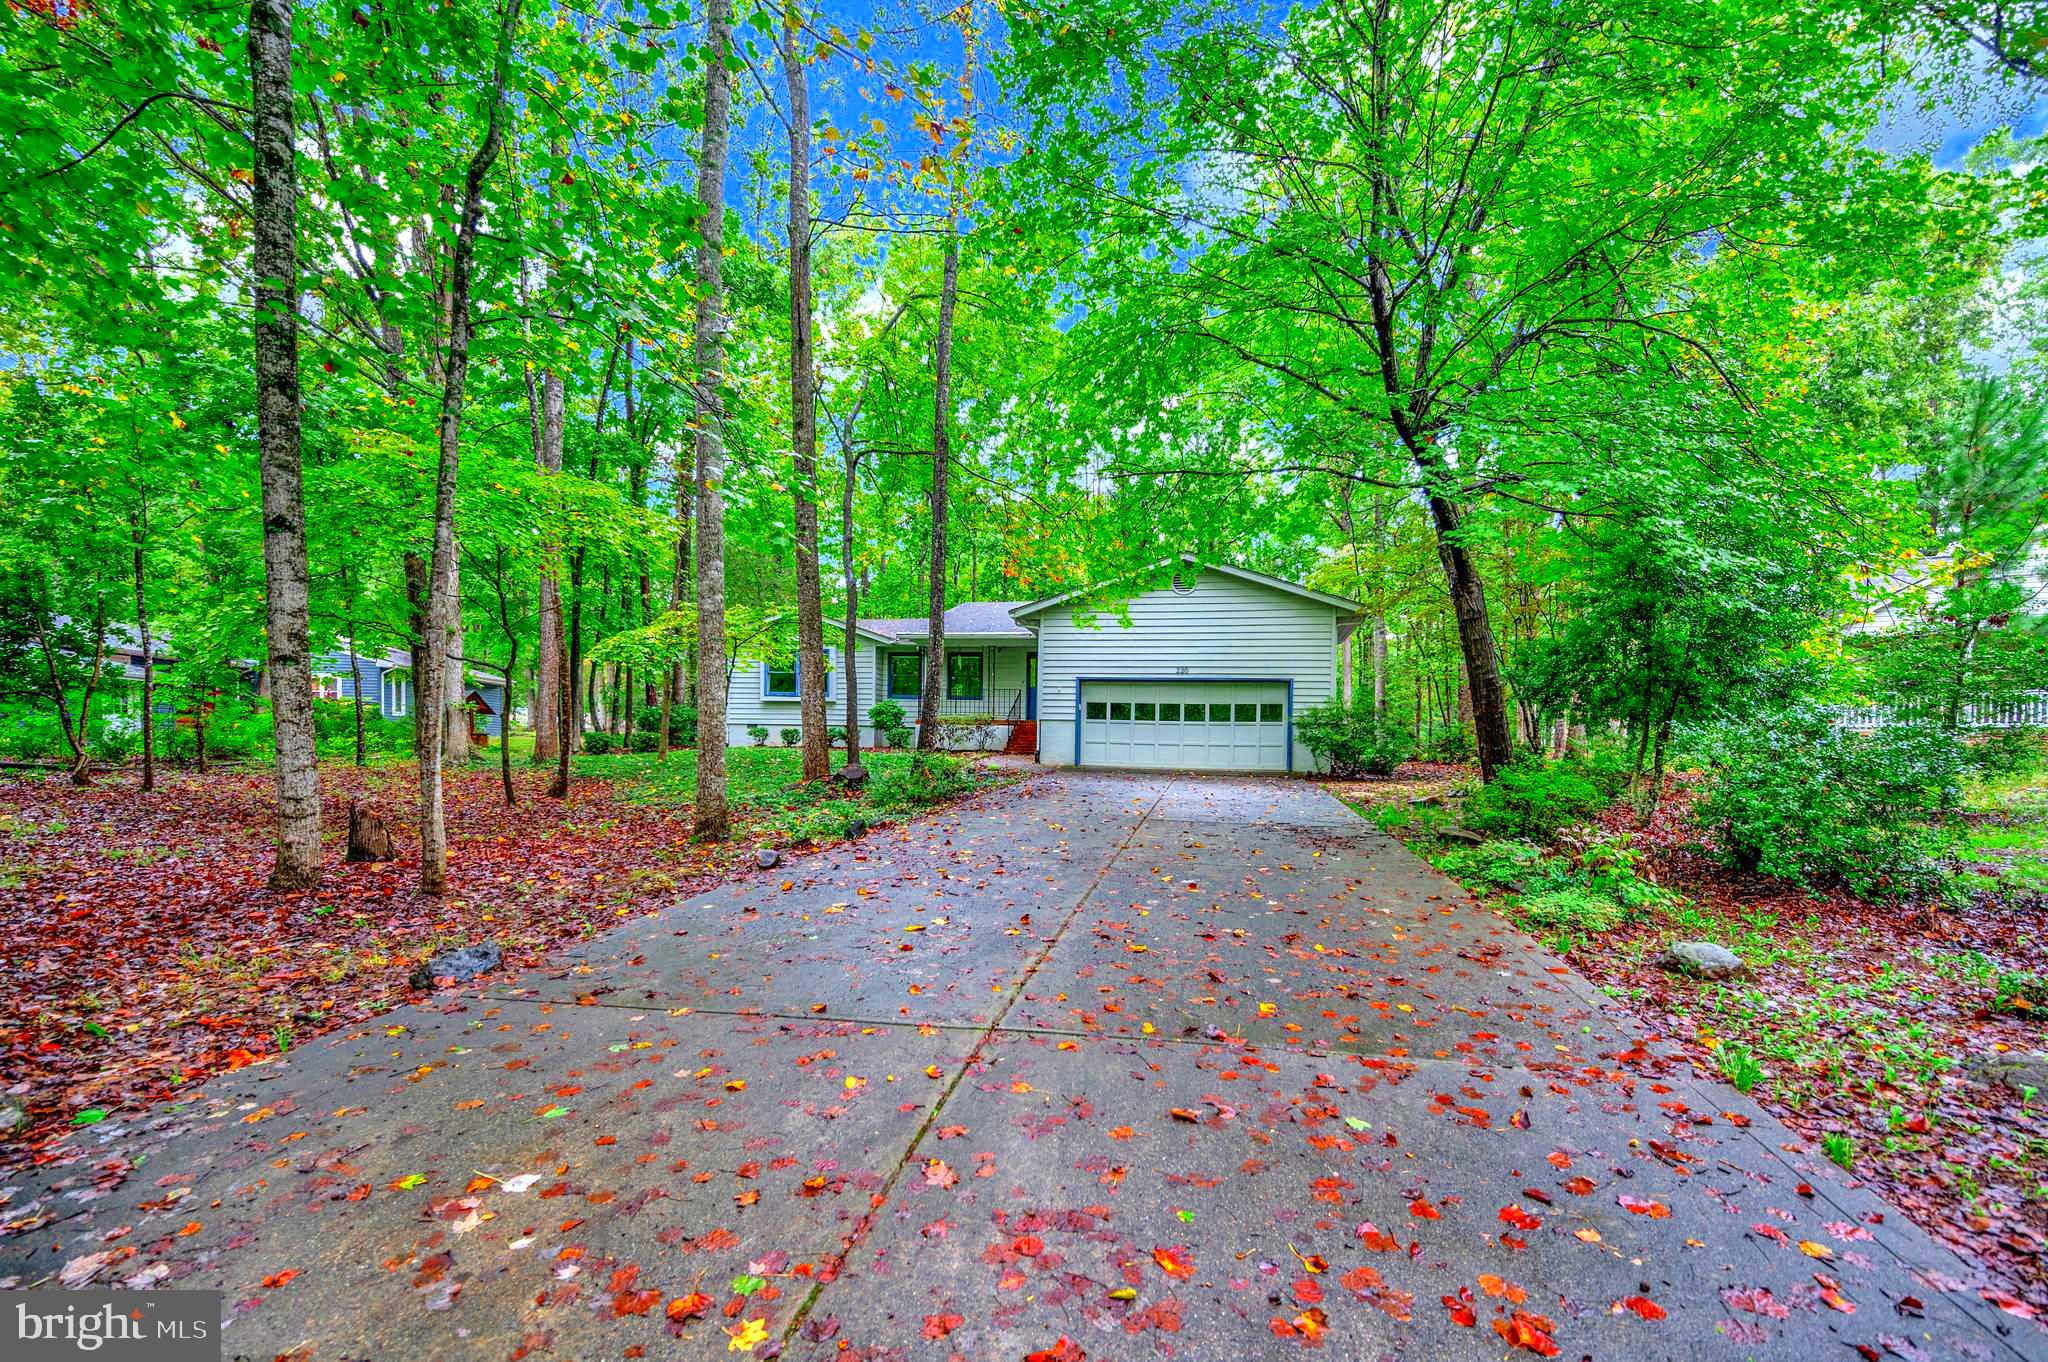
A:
(288, 591)
(934, 686)
(713, 816)
(803, 397)
(431, 673)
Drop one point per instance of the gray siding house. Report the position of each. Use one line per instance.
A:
(1206, 672)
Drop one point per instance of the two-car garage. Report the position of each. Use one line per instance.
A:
(1185, 725)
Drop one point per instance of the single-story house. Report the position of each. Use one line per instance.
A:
(385, 678)
(1205, 672)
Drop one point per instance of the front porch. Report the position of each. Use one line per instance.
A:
(991, 691)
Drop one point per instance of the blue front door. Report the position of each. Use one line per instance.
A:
(1031, 685)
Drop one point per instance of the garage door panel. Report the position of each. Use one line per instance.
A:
(1182, 725)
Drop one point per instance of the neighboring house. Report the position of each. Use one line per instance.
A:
(1206, 673)
(385, 678)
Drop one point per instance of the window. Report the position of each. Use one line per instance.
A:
(1169, 714)
(906, 675)
(1269, 713)
(397, 694)
(1194, 713)
(963, 676)
(1247, 714)
(326, 687)
(1120, 709)
(1097, 710)
(1147, 711)
(779, 678)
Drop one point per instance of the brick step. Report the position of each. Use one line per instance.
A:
(1023, 740)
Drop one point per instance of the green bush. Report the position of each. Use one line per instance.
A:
(930, 778)
(1500, 866)
(792, 737)
(889, 720)
(1794, 797)
(1352, 741)
(1568, 909)
(234, 732)
(835, 736)
(600, 743)
(759, 734)
(1447, 742)
(1533, 800)
(2005, 752)
(649, 740)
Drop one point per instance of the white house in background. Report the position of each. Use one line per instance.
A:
(1205, 673)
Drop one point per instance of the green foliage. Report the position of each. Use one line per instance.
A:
(1569, 909)
(1739, 1066)
(2025, 993)
(1449, 742)
(759, 734)
(600, 743)
(1533, 800)
(929, 778)
(2006, 752)
(1794, 796)
(889, 721)
(1352, 741)
(835, 736)
(234, 732)
(1502, 866)
(791, 737)
(1840, 1149)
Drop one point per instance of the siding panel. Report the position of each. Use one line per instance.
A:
(1224, 628)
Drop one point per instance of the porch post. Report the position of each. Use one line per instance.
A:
(1348, 650)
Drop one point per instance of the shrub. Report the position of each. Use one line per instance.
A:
(647, 719)
(233, 733)
(888, 718)
(1797, 798)
(649, 740)
(930, 778)
(2005, 752)
(792, 737)
(835, 736)
(1532, 801)
(758, 734)
(1571, 908)
(1452, 742)
(1352, 741)
(600, 743)
(1497, 866)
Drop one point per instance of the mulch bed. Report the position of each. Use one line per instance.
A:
(1965, 1158)
(146, 951)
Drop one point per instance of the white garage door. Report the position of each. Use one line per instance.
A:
(1185, 725)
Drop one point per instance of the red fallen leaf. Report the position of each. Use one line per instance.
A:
(1757, 1301)
(1581, 1186)
(688, 1307)
(1519, 1218)
(1183, 1114)
(1028, 1245)
(1560, 1160)
(1376, 1239)
(1460, 1307)
(1422, 1210)
(635, 1302)
(277, 1279)
(2010, 1304)
(1656, 1210)
(1066, 1350)
(1642, 1306)
(1525, 1330)
(938, 1326)
(939, 1173)
(1306, 1292)
(1174, 1261)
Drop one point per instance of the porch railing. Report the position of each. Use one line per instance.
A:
(2030, 711)
(992, 706)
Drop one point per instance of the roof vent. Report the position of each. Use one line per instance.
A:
(1182, 586)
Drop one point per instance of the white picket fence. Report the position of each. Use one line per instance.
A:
(2029, 712)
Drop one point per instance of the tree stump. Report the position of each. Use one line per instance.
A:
(368, 838)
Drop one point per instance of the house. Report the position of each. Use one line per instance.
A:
(385, 679)
(1203, 672)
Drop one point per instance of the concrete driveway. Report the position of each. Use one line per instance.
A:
(1099, 1066)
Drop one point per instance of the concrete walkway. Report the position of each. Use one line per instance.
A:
(1100, 1066)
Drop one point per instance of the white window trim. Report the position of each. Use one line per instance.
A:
(793, 697)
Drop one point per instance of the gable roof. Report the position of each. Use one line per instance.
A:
(1337, 603)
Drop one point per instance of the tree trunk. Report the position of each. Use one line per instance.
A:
(139, 525)
(942, 457)
(505, 724)
(810, 612)
(455, 717)
(416, 622)
(713, 818)
(287, 576)
(850, 662)
(431, 673)
(1488, 705)
(547, 700)
(355, 666)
